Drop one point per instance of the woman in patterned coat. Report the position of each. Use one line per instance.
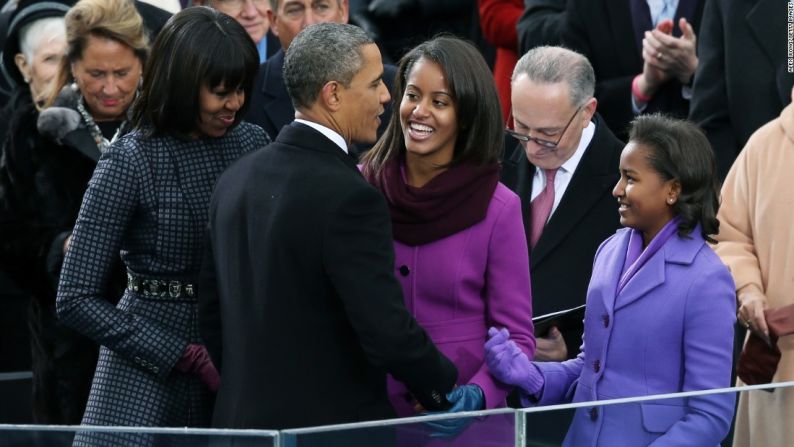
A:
(148, 201)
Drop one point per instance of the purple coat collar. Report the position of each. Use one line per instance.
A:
(677, 250)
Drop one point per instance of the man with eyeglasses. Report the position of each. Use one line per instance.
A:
(253, 16)
(271, 107)
(564, 169)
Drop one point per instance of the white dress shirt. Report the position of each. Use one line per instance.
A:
(565, 172)
(330, 134)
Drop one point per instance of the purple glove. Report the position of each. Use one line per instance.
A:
(196, 360)
(508, 363)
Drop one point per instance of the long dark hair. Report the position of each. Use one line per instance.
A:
(197, 47)
(679, 150)
(479, 116)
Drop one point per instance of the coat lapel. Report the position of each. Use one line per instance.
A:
(622, 25)
(765, 32)
(676, 251)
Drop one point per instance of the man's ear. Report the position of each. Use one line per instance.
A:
(271, 18)
(330, 95)
(344, 7)
(589, 109)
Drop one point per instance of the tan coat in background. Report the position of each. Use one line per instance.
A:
(756, 241)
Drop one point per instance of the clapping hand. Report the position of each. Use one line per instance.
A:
(674, 56)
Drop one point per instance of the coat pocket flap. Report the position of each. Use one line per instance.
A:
(658, 418)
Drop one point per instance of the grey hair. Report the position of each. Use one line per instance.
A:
(32, 35)
(550, 65)
(320, 54)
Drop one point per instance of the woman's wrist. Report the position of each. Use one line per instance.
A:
(641, 89)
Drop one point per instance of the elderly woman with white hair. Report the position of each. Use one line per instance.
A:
(38, 180)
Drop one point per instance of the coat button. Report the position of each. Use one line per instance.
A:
(605, 319)
(404, 270)
(597, 365)
(593, 414)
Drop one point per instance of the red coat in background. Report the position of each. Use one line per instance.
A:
(498, 19)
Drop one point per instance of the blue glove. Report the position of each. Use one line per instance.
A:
(463, 398)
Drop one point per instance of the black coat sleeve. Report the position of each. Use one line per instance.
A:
(710, 107)
(541, 24)
(209, 312)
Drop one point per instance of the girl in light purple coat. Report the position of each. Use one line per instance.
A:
(660, 307)
(461, 253)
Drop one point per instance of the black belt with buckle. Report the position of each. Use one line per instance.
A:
(160, 288)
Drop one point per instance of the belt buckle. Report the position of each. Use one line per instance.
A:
(174, 287)
(133, 283)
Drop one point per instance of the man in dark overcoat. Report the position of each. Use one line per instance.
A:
(299, 306)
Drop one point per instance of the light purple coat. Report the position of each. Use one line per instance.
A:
(459, 286)
(669, 330)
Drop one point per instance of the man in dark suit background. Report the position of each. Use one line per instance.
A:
(271, 107)
(553, 105)
(299, 306)
(742, 81)
(643, 58)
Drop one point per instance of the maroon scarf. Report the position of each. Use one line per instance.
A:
(451, 202)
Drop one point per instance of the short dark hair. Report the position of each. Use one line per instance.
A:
(197, 47)
(319, 54)
(679, 150)
(480, 137)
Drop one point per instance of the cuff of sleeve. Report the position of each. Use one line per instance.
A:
(494, 392)
(637, 108)
(534, 383)
(686, 92)
(55, 256)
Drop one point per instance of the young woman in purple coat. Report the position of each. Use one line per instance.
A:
(660, 306)
(461, 253)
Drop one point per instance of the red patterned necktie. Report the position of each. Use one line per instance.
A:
(541, 207)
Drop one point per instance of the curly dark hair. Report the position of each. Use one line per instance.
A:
(679, 150)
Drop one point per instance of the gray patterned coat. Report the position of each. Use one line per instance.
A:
(148, 200)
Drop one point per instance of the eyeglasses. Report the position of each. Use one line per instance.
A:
(235, 6)
(525, 138)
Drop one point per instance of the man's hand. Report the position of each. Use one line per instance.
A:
(676, 56)
(551, 348)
